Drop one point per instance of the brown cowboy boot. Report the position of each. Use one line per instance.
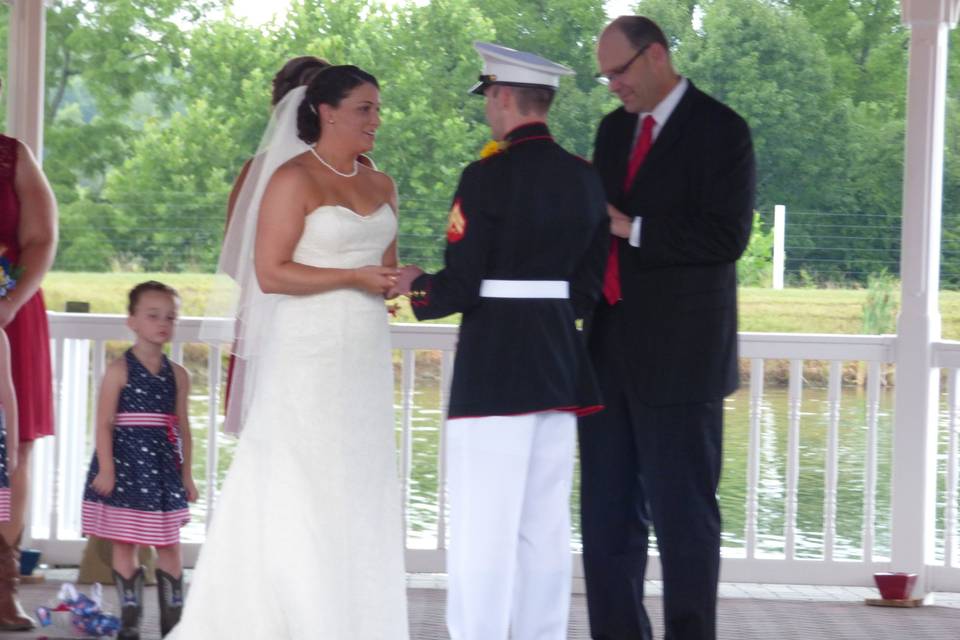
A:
(130, 596)
(12, 615)
(170, 594)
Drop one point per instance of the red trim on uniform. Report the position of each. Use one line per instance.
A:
(580, 411)
(587, 411)
(516, 142)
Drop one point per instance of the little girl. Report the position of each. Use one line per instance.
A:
(139, 481)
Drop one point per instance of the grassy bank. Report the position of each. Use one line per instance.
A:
(789, 310)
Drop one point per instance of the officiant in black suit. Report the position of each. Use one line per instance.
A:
(678, 170)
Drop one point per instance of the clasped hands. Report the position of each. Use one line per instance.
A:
(389, 282)
(404, 281)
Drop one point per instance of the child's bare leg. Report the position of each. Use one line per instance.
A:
(125, 558)
(169, 560)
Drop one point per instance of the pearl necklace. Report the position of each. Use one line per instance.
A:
(328, 165)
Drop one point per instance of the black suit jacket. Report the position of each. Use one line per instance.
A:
(695, 194)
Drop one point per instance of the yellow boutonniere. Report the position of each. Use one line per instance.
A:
(493, 147)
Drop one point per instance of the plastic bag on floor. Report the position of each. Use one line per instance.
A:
(78, 613)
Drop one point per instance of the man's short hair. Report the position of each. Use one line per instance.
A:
(641, 31)
(535, 100)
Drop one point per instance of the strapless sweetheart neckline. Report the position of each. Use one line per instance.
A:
(385, 205)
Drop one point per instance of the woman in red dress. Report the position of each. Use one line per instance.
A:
(28, 235)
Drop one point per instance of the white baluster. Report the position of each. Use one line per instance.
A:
(950, 523)
(794, 401)
(71, 436)
(870, 471)
(753, 453)
(176, 352)
(833, 438)
(408, 377)
(446, 376)
(214, 367)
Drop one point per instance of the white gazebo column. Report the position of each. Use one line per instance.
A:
(25, 72)
(917, 383)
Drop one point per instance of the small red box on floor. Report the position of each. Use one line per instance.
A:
(895, 586)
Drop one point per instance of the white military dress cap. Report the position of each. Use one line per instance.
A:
(503, 65)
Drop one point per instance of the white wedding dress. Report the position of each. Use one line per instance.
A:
(306, 539)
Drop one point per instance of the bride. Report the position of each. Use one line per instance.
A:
(306, 538)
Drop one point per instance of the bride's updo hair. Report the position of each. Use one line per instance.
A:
(296, 72)
(330, 86)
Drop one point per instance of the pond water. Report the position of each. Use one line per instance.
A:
(814, 426)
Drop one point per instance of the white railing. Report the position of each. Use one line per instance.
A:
(80, 346)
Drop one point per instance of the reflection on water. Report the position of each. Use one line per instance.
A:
(771, 493)
(771, 498)
(811, 486)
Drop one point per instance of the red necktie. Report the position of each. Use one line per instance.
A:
(611, 278)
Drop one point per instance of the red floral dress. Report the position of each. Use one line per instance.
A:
(29, 333)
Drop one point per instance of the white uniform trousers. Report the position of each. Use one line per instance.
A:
(508, 562)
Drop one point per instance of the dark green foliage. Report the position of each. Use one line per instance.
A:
(152, 107)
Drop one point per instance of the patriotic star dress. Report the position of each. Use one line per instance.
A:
(149, 503)
(4, 477)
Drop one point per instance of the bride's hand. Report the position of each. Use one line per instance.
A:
(375, 278)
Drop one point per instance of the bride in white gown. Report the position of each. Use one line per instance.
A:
(306, 538)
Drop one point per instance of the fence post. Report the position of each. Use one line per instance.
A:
(779, 234)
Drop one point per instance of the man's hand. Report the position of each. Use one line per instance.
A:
(408, 274)
(620, 224)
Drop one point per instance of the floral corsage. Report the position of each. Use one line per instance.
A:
(9, 274)
(493, 147)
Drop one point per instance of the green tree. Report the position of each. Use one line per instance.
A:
(866, 45)
(765, 62)
(175, 185)
(100, 56)
(755, 267)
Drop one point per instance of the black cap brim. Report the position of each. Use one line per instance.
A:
(485, 81)
(479, 88)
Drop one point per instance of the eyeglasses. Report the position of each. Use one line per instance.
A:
(607, 78)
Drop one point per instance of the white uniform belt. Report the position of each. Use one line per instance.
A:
(525, 289)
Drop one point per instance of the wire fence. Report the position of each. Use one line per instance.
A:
(838, 248)
(821, 248)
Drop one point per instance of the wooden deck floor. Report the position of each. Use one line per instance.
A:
(785, 613)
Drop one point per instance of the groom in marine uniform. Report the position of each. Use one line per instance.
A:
(526, 248)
